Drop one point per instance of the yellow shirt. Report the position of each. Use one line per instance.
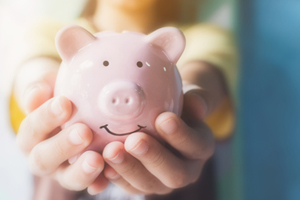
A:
(204, 42)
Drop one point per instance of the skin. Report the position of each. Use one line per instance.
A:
(141, 165)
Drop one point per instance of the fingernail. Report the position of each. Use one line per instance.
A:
(30, 91)
(74, 137)
(118, 158)
(112, 175)
(91, 191)
(169, 126)
(203, 102)
(56, 106)
(73, 159)
(115, 177)
(87, 168)
(140, 148)
(29, 94)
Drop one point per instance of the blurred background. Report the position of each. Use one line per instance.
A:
(262, 161)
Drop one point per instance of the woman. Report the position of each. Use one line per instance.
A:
(207, 68)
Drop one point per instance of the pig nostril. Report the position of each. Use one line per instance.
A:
(121, 100)
(114, 101)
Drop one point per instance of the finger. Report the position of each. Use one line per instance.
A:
(82, 173)
(39, 124)
(35, 83)
(49, 154)
(118, 180)
(161, 162)
(35, 95)
(196, 103)
(192, 143)
(131, 169)
(99, 185)
(205, 81)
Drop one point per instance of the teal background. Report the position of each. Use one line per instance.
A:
(270, 98)
(231, 173)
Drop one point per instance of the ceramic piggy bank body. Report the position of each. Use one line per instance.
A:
(119, 82)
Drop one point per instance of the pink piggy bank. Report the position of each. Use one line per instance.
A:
(119, 82)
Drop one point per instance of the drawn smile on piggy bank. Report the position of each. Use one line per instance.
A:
(119, 83)
(122, 134)
(121, 100)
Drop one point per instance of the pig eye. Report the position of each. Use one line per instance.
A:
(139, 64)
(106, 63)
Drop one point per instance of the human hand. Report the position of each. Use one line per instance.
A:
(46, 146)
(144, 166)
(34, 83)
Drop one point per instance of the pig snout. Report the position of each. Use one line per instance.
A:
(122, 100)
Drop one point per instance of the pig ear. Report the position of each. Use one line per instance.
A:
(170, 40)
(70, 39)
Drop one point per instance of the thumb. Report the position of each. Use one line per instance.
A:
(34, 83)
(196, 102)
(35, 95)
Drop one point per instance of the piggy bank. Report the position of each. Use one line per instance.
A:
(119, 82)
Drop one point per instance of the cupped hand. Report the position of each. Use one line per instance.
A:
(142, 165)
(46, 146)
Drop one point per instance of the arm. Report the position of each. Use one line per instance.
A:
(39, 136)
(143, 166)
(45, 145)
